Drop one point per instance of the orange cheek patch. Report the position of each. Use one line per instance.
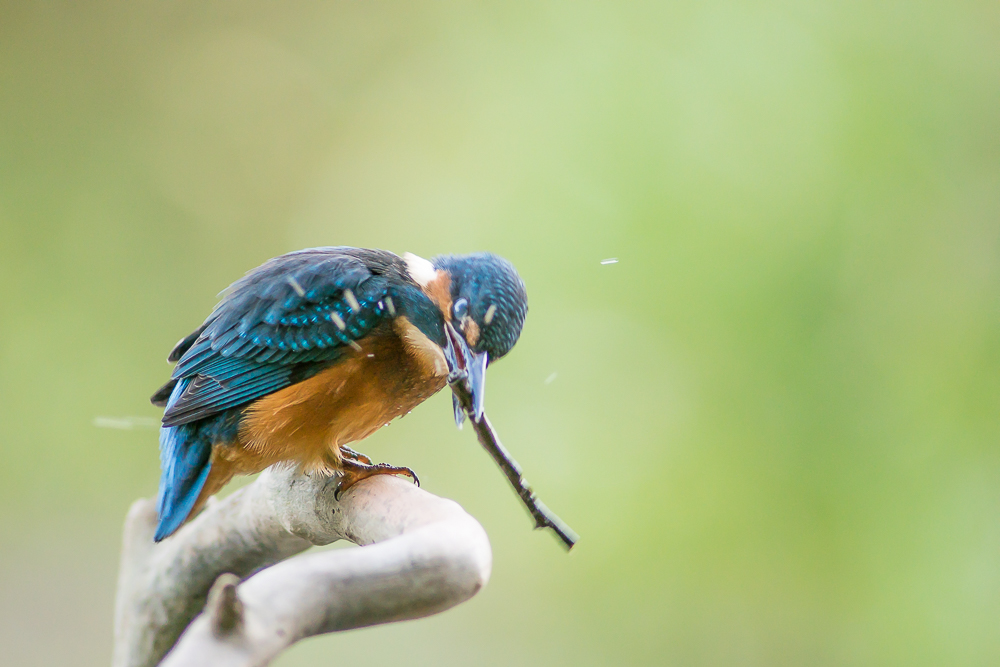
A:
(471, 332)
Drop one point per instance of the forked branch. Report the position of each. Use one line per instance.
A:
(425, 555)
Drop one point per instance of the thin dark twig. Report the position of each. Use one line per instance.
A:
(543, 516)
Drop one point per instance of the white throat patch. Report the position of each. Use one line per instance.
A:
(421, 270)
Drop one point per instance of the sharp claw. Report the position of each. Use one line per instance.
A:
(353, 471)
(398, 470)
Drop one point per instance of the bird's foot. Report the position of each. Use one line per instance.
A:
(353, 471)
(348, 453)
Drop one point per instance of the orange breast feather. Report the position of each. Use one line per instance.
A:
(307, 422)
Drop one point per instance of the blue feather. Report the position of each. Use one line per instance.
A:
(208, 396)
(185, 461)
(270, 331)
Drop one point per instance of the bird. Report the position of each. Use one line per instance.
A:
(317, 349)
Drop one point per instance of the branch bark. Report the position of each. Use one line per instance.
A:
(426, 555)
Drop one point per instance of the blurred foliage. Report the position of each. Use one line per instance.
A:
(774, 422)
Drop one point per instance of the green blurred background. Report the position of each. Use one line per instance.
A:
(774, 421)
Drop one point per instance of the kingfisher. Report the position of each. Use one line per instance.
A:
(318, 349)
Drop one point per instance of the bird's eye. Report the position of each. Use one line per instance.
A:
(460, 309)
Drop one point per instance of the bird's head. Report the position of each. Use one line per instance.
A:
(483, 301)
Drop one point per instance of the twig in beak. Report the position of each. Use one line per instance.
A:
(543, 516)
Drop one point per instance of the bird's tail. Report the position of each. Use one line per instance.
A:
(185, 461)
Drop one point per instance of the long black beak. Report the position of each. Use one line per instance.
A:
(460, 358)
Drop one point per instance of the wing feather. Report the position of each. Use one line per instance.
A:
(278, 325)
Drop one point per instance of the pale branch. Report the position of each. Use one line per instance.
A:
(488, 438)
(426, 555)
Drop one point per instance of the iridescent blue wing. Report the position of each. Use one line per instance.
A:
(281, 323)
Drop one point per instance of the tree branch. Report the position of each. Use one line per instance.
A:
(427, 555)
